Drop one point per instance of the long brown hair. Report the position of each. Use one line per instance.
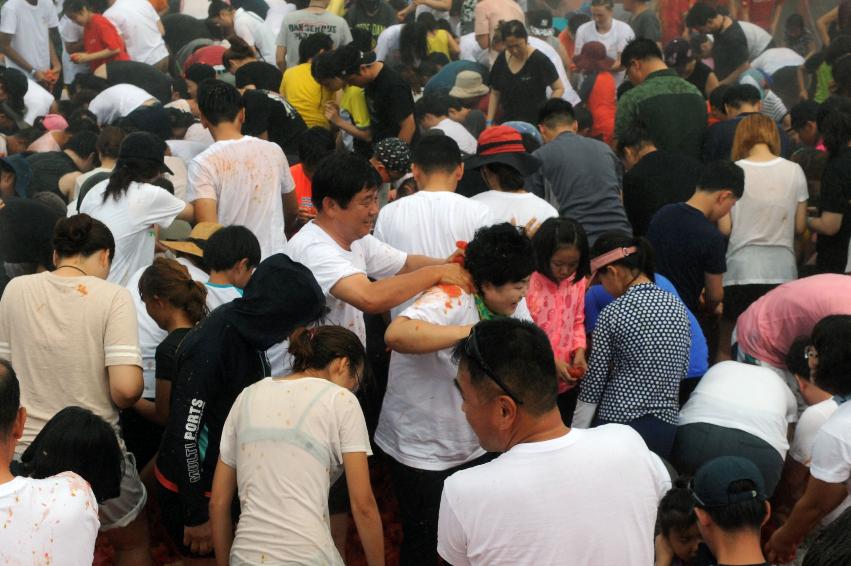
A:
(170, 281)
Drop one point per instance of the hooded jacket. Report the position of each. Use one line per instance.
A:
(216, 361)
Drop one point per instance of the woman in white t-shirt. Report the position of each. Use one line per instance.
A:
(763, 223)
(285, 441)
(612, 33)
(830, 469)
(132, 207)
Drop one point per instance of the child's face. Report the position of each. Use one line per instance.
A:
(685, 542)
(564, 262)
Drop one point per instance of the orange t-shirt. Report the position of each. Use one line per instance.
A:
(303, 188)
(602, 102)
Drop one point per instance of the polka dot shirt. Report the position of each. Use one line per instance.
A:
(640, 353)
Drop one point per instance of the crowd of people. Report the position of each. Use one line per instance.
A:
(574, 280)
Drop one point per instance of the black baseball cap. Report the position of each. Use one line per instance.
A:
(712, 482)
(144, 145)
(803, 112)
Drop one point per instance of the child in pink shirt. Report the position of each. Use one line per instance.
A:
(556, 298)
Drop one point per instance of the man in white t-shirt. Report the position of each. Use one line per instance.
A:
(603, 27)
(433, 220)
(432, 113)
(553, 492)
(422, 426)
(52, 520)
(118, 101)
(142, 30)
(342, 254)
(240, 179)
(299, 24)
(25, 30)
(247, 25)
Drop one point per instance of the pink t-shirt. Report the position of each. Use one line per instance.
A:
(559, 309)
(44, 144)
(767, 329)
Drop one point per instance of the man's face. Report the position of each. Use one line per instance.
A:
(503, 299)
(225, 19)
(685, 543)
(725, 200)
(459, 115)
(808, 134)
(480, 412)
(601, 15)
(357, 79)
(359, 216)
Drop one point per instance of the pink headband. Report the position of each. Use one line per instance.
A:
(610, 257)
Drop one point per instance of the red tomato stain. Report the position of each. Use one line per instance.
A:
(452, 291)
(82, 290)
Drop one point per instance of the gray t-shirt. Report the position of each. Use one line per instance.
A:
(646, 25)
(303, 23)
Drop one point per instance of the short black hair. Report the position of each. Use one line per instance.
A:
(557, 233)
(83, 144)
(230, 245)
(513, 28)
(556, 112)
(642, 260)
(699, 14)
(676, 510)
(314, 44)
(10, 398)
(216, 7)
(635, 137)
(314, 145)
(510, 179)
(795, 358)
(82, 120)
(832, 340)
(437, 103)
(717, 96)
(499, 254)
(744, 515)
(218, 101)
(834, 123)
(73, 6)
(77, 440)
(742, 94)
(341, 176)
(723, 175)
(436, 153)
(640, 49)
(583, 117)
(576, 20)
(324, 66)
(519, 353)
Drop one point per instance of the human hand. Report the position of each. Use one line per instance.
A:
(664, 552)
(454, 274)
(579, 360)
(306, 213)
(458, 255)
(199, 538)
(331, 111)
(79, 57)
(779, 548)
(563, 373)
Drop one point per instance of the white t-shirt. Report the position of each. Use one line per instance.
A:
(186, 150)
(430, 223)
(118, 101)
(757, 38)
(70, 32)
(772, 60)
(250, 27)
(198, 133)
(744, 397)
(761, 248)
(286, 440)
(465, 140)
(218, 295)
(38, 100)
(801, 451)
(195, 8)
(137, 22)
(570, 94)
(275, 16)
(615, 40)
(387, 44)
(150, 335)
(516, 208)
(421, 423)
(247, 178)
(831, 460)
(49, 521)
(28, 25)
(553, 502)
(471, 50)
(131, 219)
(330, 263)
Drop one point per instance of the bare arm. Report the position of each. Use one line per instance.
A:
(408, 336)
(188, 213)
(224, 490)
(206, 210)
(454, 48)
(281, 57)
(11, 53)
(364, 508)
(125, 385)
(713, 290)
(55, 62)
(160, 26)
(801, 218)
(407, 127)
(375, 297)
(558, 89)
(148, 411)
(711, 84)
(493, 104)
(725, 224)
(415, 262)
(793, 483)
(828, 224)
(102, 54)
(778, 10)
(333, 116)
(484, 40)
(290, 210)
(823, 24)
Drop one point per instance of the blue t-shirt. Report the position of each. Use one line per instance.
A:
(445, 78)
(596, 299)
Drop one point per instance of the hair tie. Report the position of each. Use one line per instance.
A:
(311, 332)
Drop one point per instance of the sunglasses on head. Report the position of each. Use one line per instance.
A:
(471, 348)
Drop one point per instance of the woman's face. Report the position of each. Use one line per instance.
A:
(613, 278)
(344, 374)
(516, 47)
(564, 262)
(503, 299)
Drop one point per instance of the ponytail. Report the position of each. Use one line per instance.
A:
(170, 281)
(642, 259)
(129, 170)
(315, 348)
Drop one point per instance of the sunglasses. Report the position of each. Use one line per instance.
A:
(471, 348)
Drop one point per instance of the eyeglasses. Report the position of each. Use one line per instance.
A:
(810, 353)
(471, 348)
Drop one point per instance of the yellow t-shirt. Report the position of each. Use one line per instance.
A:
(354, 102)
(438, 42)
(306, 95)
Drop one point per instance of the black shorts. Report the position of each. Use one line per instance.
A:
(737, 299)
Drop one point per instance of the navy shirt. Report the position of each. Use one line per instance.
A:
(835, 197)
(719, 139)
(687, 246)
